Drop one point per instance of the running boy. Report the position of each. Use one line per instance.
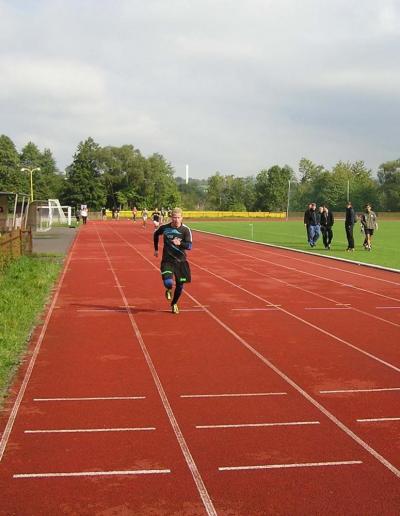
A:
(177, 240)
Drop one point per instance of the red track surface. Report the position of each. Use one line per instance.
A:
(276, 327)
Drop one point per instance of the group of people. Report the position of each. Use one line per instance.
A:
(317, 222)
(321, 221)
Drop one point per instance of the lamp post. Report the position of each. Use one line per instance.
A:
(31, 171)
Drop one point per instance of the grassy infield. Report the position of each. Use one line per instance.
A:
(25, 285)
(385, 245)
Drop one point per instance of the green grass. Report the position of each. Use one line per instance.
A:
(385, 245)
(25, 289)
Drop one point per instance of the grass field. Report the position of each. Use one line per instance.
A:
(25, 288)
(385, 246)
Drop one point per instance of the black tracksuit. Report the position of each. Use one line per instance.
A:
(349, 225)
(327, 221)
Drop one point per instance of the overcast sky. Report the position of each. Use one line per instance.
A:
(231, 86)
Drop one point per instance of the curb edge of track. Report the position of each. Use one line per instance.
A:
(354, 262)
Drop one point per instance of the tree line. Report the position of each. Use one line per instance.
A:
(122, 177)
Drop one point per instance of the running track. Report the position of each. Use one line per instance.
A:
(275, 390)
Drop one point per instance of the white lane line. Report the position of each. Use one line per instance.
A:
(384, 389)
(102, 310)
(94, 473)
(294, 316)
(387, 307)
(254, 309)
(305, 394)
(92, 399)
(233, 395)
(82, 430)
(191, 464)
(280, 466)
(378, 419)
(10, 423)
(328, 308)
(247, 425)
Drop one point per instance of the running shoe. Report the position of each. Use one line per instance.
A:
(168, 294)
(174, 309)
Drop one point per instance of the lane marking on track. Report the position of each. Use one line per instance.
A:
(328, 308)
(280, 466)
(387, 307)
(256, 425)
(288, 380)
(378, 419)
(94, 473)
(384, 389)
(10, 423)
(233, 395)
(269, 309)
(102, 310)
(83, 430)
(190, 462)
(93, 399)
(298, 318)
(305, 394)
(311, 274)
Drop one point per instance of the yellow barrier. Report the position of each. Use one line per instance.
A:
(212, 214)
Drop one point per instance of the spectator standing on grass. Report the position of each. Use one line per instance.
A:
(327, 222)
(177, 240)
(314, 225)
(307, 220)
(369, 224)
(349, 222)
(78, 215)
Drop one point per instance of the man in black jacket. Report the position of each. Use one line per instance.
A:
(349, 225)
(327, 222)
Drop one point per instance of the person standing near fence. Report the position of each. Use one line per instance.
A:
(349, 222)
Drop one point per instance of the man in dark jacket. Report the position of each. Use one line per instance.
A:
(327, 222)
(350, 220)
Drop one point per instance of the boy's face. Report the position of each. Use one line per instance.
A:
(176, 220)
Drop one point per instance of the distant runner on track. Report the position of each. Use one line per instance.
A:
(177, 240)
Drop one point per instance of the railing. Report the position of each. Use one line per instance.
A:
(14, 244)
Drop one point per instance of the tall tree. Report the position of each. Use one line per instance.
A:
(389, 180)
(272, 187)
(11, 178)
(84, 183)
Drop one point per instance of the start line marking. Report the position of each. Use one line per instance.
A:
(362, 390)
(94, 473)
(247, 425)
(77, 430)
(378, 419)
(92, 399)
(233, 395)
(280, 466)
